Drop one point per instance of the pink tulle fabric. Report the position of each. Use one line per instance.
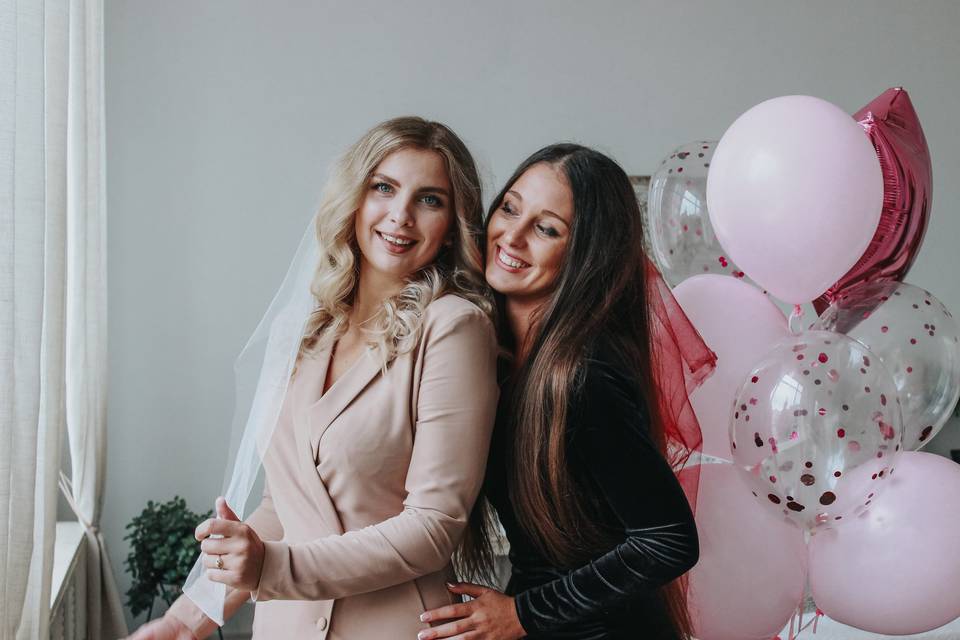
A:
(682, 361)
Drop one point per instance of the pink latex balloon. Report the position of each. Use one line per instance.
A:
(794, 195)
(894, 129)
(740, 324)
(896, 568)
(752, 569)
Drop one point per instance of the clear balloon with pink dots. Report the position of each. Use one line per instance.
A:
(816, 428)
(917, 339)
(681, 236)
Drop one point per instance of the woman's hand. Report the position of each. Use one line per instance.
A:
(236, 559)
(166, 628)
(491, 615)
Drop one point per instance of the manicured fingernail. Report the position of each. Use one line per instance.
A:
(450, 585)
(424, 617)
(423, 635)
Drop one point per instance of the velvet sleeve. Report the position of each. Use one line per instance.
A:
(611, 440)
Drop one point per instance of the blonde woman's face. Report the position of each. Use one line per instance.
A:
(406, 215)
(527, 235)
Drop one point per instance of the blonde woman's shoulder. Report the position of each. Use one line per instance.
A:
(450, 307)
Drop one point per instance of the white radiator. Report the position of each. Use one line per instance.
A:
(68, 616)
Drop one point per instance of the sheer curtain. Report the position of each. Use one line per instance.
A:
(52, 302)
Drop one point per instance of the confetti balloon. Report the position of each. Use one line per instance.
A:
(682, 240)
(794, 193)
(816, 428)
(918, 341)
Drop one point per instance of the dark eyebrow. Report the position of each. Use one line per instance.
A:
(545, 212)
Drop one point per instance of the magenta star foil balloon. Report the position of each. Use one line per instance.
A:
(893, 127)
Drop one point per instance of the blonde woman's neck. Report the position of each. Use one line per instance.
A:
(373, 288)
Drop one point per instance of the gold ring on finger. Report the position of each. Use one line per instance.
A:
(220, 562)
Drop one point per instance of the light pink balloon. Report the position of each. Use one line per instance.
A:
(795, 193)
(740, 325)
(752, 567)
(895, 569)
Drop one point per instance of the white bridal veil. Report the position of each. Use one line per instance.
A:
(262, 371)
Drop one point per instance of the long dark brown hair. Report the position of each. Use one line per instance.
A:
(600, 293)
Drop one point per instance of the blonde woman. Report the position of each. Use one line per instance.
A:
(380, 448)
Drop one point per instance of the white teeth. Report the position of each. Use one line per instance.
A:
(510, 262)
(395, 240)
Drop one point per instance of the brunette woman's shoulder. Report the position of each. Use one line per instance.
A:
(608, 393)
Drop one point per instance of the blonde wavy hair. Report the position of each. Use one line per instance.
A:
(396, 327)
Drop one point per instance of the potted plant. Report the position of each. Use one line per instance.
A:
(162, 552)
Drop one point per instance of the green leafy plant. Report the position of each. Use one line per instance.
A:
(162, 552)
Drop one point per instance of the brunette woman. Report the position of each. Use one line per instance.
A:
(593, 419)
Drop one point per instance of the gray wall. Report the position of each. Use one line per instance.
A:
(222, 118)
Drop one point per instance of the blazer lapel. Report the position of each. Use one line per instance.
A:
(328, 406)
(309, 387)
(307, 392)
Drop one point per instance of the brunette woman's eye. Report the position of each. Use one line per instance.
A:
(382, 187)
(550, 232)
(508, 209)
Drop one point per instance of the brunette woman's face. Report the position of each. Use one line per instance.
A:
(528, 233)
(406, 214)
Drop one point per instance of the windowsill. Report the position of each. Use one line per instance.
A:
(66, 552)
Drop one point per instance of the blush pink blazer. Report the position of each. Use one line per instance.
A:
(369, 486)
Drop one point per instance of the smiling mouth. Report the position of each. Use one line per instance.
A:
(509, 261)
(395, 244)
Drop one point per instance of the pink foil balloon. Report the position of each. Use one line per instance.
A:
(918, 341)
(894, 129)
(740, 324)
(896, 568)
(681, 236)
(813, 410)
(794, 194)
(752, 567)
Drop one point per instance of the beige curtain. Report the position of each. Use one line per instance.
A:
(52, 303)
(33, 225)
(87, 312)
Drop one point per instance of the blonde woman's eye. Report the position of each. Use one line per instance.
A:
(382, 187)
(432, 201)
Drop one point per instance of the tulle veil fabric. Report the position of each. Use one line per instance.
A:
(262, 372)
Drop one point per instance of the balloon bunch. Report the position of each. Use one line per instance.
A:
(819, 425)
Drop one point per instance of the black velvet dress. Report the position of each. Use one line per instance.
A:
(615, 594)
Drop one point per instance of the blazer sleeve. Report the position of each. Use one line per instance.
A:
(659, 536)
(265, 522)
(455, 410)
(264, 518)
